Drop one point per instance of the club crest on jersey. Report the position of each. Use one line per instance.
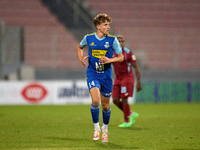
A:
(107, 45)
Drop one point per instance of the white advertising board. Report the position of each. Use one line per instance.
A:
(14, 93)
(45, 93)
(71, 92)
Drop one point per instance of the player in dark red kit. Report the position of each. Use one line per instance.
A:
(124, 83)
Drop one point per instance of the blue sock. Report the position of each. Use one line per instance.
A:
(95, 113)
(106, 116)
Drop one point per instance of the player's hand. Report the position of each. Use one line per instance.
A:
(104, 60)
(84, 61)
(139, 86)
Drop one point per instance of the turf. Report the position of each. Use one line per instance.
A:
(159, 126)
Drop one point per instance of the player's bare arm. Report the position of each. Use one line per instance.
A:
(106, 60)
(82, 59)
(137, 72)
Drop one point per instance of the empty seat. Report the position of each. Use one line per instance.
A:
(47, 42)
(164, 30)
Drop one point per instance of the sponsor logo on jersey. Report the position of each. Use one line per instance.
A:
(92, 44)
(98, 53)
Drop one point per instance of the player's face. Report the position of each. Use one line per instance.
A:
(121, 42)
(104, 27)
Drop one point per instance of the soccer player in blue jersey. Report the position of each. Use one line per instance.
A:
(99, 72)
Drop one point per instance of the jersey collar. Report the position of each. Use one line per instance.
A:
(99, 38)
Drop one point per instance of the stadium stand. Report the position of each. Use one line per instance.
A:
(162, 34)
(47, 43)
(166, 31)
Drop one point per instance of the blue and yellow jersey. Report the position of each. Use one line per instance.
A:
(98, 48)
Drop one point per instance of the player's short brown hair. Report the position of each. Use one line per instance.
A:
(101, 18)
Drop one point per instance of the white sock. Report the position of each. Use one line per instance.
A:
(96, 125)
(105, 127)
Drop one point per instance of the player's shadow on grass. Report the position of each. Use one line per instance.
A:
(129, 128)
(101, 144)
(135, 128)
(114, 146)
(65, 139)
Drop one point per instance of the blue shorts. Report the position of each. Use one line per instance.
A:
(104, 84)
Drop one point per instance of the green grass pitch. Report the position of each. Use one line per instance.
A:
(69, 127)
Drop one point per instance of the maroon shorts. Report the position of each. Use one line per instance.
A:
(123, 87)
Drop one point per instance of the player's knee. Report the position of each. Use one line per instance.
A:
(95, 102)
(105, 106)
(124, 101)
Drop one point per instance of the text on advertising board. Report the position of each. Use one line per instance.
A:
(74, 91)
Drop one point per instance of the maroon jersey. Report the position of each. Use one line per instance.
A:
(124, 81)
(124, 67)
